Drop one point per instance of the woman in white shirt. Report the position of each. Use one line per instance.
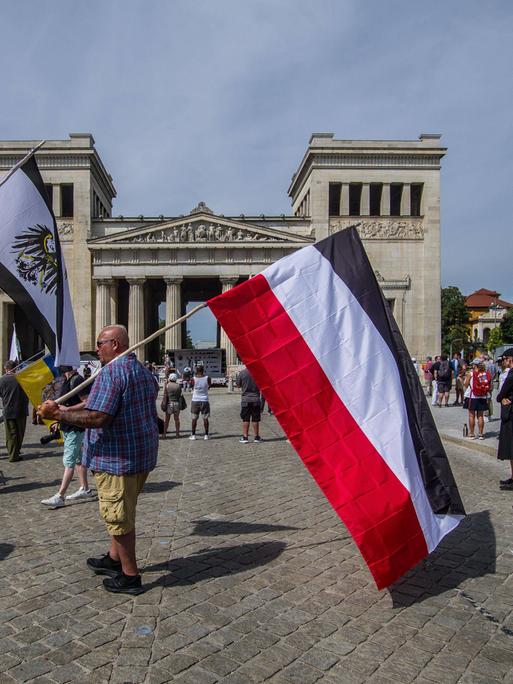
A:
(199, 401)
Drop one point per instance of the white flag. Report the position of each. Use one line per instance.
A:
(32, 269)
(14, 354)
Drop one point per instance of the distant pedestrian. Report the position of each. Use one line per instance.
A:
(428, 375)
(172, 403)
(249, 406)
(434, 367)
(443, 376)
(15, 406)
(477, 384)
(199, 402)
(458, 369)
(73, 438)
(505, 398)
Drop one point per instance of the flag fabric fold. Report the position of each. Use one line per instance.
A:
(317, 335)
(32, 269)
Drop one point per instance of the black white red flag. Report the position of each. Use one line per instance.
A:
(318, 337)
(32, 269)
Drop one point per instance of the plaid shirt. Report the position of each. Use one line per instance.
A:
(129, 445)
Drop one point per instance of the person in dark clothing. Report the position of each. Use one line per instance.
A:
(15, 403)
(249, 406)
(505, 398)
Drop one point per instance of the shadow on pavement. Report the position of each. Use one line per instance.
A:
(237, 437)
(468, 551)
(225, 560)
(28, 486)
(5, 550)
(212, 528)
(164, 486)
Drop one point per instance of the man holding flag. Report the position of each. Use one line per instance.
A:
(120, 447)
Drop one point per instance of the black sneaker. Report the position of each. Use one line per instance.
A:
(508, 481)
(508, 486)
(243, 440)
(104, 566)
(124, 584)
(257, 440)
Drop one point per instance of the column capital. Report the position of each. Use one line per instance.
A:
(228, 280)
(136, 280)
(103, 281)
(173, 280)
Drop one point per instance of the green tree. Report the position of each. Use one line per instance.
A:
(507, 326)
(455, 316)
(495, 339)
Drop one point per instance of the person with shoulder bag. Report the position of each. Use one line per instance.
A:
(478, 382)
(172, 403)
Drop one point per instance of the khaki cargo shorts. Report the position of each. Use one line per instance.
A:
(117, 495)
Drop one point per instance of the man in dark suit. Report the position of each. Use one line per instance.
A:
(15, 403)
(505, 397)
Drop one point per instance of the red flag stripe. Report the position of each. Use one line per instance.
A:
(361, 487)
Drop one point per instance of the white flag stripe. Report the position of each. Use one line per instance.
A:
(360, 366)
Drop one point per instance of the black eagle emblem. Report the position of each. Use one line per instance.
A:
(36, 257)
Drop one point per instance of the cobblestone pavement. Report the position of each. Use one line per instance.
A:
(251, 577)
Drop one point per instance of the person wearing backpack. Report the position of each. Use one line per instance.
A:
(478, 386)
(443, 376)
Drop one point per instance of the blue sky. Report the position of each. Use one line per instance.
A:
(216, 101)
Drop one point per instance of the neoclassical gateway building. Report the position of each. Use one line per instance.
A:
(122, 268)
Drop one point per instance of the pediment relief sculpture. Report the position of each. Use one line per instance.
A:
(383, 228)
(199, 232)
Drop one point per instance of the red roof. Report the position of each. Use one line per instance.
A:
(483, 299)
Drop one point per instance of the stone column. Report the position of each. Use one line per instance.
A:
(56, 199)
(385, 200)
(344, 200)
(113, 301)
(365, 200)
(173, 336)
(136, 314)
(103, 314)
(231, 354)
(406, 200)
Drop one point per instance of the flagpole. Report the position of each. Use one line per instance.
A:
(21, 162)
(157, 333)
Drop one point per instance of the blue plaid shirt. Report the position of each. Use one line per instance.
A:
(127, 391)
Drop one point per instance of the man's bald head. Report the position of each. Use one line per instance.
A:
(118, 333)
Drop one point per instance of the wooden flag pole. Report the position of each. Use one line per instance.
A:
(21, 162)
(135, 346)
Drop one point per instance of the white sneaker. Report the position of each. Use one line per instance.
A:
(80, 494)
(55, 501)
(206, 437)
(192, 437)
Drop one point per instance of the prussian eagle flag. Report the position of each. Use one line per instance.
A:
(319, 339)
(32, 269)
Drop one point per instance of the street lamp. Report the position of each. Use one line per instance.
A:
(457, 339)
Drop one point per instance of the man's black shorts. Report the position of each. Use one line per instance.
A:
(250, 412)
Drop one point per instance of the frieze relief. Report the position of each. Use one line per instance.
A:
(201, 232)
(65, 229)
(382, 228)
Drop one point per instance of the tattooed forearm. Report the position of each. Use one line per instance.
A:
(85, 419)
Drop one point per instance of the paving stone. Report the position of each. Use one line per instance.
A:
(31, 669)
(278, 606)
(319, 658)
